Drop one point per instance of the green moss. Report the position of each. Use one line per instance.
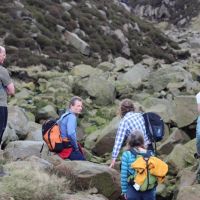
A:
(90, 129)
(98, 121)
(107, 113)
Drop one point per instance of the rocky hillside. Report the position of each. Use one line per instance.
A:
(100, 51)
(60, 33)
(178, 12)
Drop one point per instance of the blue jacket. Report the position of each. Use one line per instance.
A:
(126, 160)
(68, 126)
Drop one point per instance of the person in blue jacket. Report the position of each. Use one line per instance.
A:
(136, 142)
(68, 127)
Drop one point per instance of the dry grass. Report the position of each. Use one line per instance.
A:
(30, 183)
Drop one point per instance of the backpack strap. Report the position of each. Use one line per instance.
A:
(41, 148)
(149, 132)
(63, 116)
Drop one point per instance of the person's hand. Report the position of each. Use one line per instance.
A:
(112, 163)
(125, 196)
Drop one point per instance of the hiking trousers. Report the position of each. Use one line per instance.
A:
(76, 155)
(198, 135)
(133, 194)
(3, 120)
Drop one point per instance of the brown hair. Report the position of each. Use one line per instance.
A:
(135, 139)
(126, 106)
(73, 100)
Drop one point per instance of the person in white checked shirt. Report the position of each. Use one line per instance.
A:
(130, 122)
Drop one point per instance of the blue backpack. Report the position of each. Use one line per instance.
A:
(154, 127)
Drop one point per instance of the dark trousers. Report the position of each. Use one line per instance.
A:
(76, 155)
(3, 120)
(133, 194)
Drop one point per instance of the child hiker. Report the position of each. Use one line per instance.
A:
(137, 164)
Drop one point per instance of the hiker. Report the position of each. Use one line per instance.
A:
(130, 121)
(133, 184)
(68, 125)
(198, 127)
(6, 88)
(135, 141)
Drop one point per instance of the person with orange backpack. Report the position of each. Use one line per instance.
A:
(68, 125)
(60, 134)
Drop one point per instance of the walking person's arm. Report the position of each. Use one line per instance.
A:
(7, 82)
(118, 142)
(71, 130)
(124, 174)
(10, 89)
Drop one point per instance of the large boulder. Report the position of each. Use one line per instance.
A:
(181, 156)
(98, 88)
(9, 135)
(160, 78)
(84, 195)
(189, 192)
(18, 121)
(135, 76)
(163, 107)
(34, 132)
(77, 42)
(122, 63)
(102, 141)
(47, 112)
(85, 174)
(177, 136)
(187, 177)
(173, 110)
(83, 71)
(175, 159)
(185, 110)
(20, 150)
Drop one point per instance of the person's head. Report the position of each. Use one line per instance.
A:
(2, 54)
(126, 106)
(136, 139)
(76, 105)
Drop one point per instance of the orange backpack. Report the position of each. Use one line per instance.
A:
(52, 136)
